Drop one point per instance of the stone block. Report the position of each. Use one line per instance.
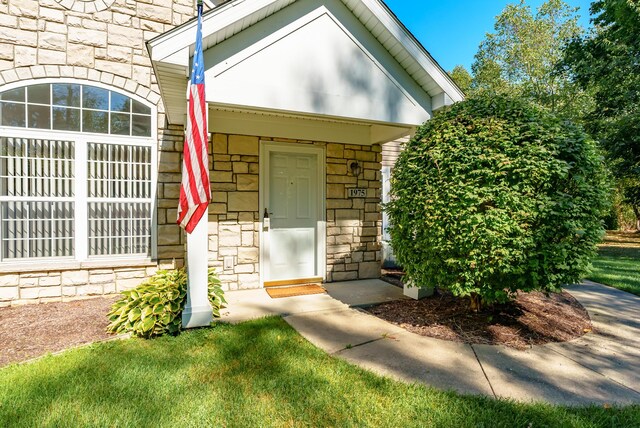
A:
(6, 52)
(335, 151)
(10, 280)
(88, 37)
(127, 284)
(47, 56)
(344, 276)
(75, 277)
(9, 293)
(336, 191)
(369, 270)
(243, 145)
(154, 13)
(130, 274)
(169, 234)
(240, 168)
(125, 36)
(101, 278)
(247, 182)
(219, 143)
(243, 201)
(221, 166)
(46, 292)
(246, 268)
(229, 236)
(90, 290)
(47, 281)
(248, 255)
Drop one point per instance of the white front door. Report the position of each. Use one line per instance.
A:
(292, 201)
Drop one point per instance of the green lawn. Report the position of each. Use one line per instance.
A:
(260, 373)
(618, 262)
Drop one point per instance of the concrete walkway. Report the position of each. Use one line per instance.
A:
(601, 367)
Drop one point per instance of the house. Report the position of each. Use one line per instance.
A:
(302, 97)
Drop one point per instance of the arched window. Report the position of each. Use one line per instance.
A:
(77, 173)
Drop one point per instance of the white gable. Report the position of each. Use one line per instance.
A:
(314, 65)
(348, 60)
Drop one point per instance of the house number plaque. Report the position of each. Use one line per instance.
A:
(357, 193)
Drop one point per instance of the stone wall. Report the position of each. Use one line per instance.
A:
(63, 285)
(234, 219)
(45, 39)
(353, 224)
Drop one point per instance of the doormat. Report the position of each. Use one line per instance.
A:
(298, 290)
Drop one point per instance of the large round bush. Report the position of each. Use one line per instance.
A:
(494, 196)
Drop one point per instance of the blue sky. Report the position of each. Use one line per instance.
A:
(452, 30)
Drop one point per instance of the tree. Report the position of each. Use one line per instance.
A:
(607, 62)
(497, 195)
(461, 76)
(520, 57)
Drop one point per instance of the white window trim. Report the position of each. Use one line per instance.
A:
(81, 199)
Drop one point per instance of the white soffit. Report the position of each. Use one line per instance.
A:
(170, 53)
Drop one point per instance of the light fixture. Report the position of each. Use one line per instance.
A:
(354, 168)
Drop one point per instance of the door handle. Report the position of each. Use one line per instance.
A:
(266, 221)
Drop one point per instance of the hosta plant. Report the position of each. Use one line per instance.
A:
(155, 307)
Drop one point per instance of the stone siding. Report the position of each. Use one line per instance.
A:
(64, 285)
(353, 224)
(43, 39)
(234, 220)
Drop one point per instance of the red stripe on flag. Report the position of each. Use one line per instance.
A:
(195, 192)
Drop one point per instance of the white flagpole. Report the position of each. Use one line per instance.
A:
(198, 311)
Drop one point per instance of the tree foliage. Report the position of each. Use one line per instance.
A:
(461, 76)
(521, 56)
(497, 195)
(607, 62)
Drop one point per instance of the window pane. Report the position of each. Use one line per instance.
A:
(120, 123)
(95, 98)
(12, 114)
(66, 119)
(37, 229)
(138, 107)
(40, 94)
(31, 167)
(66, 94)
(119, 228)
(39, 116)
(118, 171)
(120, 102)
(13, 95)
(95, 121)
(141, 126)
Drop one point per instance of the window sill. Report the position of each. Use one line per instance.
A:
(50, 266)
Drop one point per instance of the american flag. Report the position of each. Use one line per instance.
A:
(195, 193)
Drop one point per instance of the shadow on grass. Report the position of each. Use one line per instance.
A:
(259, 373)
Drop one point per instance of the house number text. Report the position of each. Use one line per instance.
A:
(357, 193)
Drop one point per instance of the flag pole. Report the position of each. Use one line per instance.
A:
(198, 311)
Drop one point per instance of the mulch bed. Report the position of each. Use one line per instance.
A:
(33, 330)
(531, 319)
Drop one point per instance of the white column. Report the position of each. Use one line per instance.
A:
(198, 312)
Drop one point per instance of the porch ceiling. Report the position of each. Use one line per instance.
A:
(171, 52)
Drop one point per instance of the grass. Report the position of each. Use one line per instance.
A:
(260, 373)
(618, 262)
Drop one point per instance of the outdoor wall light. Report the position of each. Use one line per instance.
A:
(354, 168)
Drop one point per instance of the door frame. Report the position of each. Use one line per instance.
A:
(266, 147)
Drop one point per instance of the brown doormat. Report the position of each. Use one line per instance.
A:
(299, 290)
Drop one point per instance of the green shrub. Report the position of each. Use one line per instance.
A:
(155, 307)
(494, 196)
